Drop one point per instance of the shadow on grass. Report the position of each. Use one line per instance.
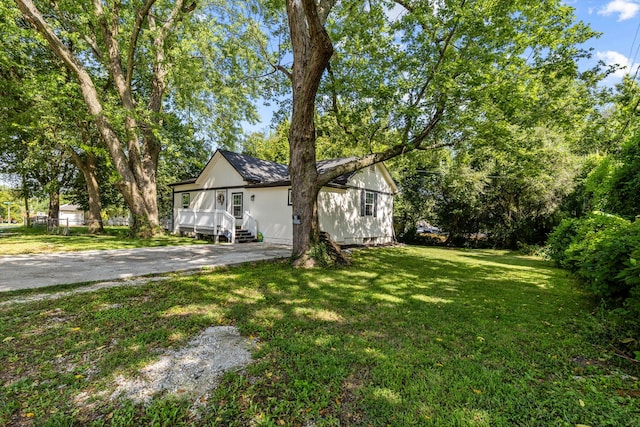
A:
(407, 336)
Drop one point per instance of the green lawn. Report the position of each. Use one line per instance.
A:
(23, 240)
(406, 336)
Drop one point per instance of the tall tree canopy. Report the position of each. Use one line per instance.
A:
(136, 60)
(398, 76)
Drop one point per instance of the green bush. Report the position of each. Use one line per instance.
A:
(588, 234)
(607, 257)
(560, 239)
(604, 252)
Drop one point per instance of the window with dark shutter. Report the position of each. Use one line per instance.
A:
(368, 203)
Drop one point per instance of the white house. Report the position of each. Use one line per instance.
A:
(242, 197)
(71, 213)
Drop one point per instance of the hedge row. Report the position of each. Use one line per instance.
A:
(604, 252)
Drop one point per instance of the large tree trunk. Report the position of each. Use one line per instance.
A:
(89, 166)
(312, 50)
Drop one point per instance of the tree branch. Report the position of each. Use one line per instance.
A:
(133, 40)
(113, 57)
(396, 150)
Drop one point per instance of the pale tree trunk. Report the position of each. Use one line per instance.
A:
(136, 156)
(312, 50)
(89, 166)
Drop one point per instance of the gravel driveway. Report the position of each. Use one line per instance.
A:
(34, 271)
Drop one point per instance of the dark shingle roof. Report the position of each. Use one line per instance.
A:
(255, 170)
(258, 171)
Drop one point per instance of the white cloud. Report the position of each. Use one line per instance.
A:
(612, 57)
(625, 9)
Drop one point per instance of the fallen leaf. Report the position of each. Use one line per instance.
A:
(581, 402)
(29, 415)
(627, 340)
(7, 339)
(476, 391)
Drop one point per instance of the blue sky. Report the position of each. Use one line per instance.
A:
(618, 21)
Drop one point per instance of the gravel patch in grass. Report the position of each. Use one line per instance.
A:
(192, 370)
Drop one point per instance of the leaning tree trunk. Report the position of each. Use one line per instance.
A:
(312, 50)
(135, 156)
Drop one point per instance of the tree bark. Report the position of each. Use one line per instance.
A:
(89, 166)
(54, 204)
(312, 50)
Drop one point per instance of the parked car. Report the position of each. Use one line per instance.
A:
(427, 229)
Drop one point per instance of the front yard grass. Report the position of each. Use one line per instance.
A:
(23, 240)
(405, 336)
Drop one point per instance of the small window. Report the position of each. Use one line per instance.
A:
(186, 200)
(368, 203)
(237, 205)
(289, 198)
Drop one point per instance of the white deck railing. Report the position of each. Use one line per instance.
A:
(249, 223)
(207, 221)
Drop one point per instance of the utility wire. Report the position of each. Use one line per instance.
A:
(630, 61)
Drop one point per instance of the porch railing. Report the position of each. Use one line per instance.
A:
(207, 221)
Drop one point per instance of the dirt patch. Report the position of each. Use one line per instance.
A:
(190, 371)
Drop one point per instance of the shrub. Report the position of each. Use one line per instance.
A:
(606, 257)
(560, 239)
(604, 252)
(583, 236)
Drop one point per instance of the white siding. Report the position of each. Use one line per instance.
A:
(74, 217)
(270, 208)
(218, 174)
(339, 210)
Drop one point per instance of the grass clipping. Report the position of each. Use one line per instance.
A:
(191, 371)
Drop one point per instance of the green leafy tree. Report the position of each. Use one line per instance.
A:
(134, 60)
(413, 75)
(624, 186)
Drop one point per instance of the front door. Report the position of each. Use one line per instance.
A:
(221, 200)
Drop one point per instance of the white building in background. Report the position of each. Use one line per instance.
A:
(73, 213)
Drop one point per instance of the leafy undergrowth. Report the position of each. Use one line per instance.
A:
(405, 336)
(23, 240)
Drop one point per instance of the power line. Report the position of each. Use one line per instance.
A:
(630, 62)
